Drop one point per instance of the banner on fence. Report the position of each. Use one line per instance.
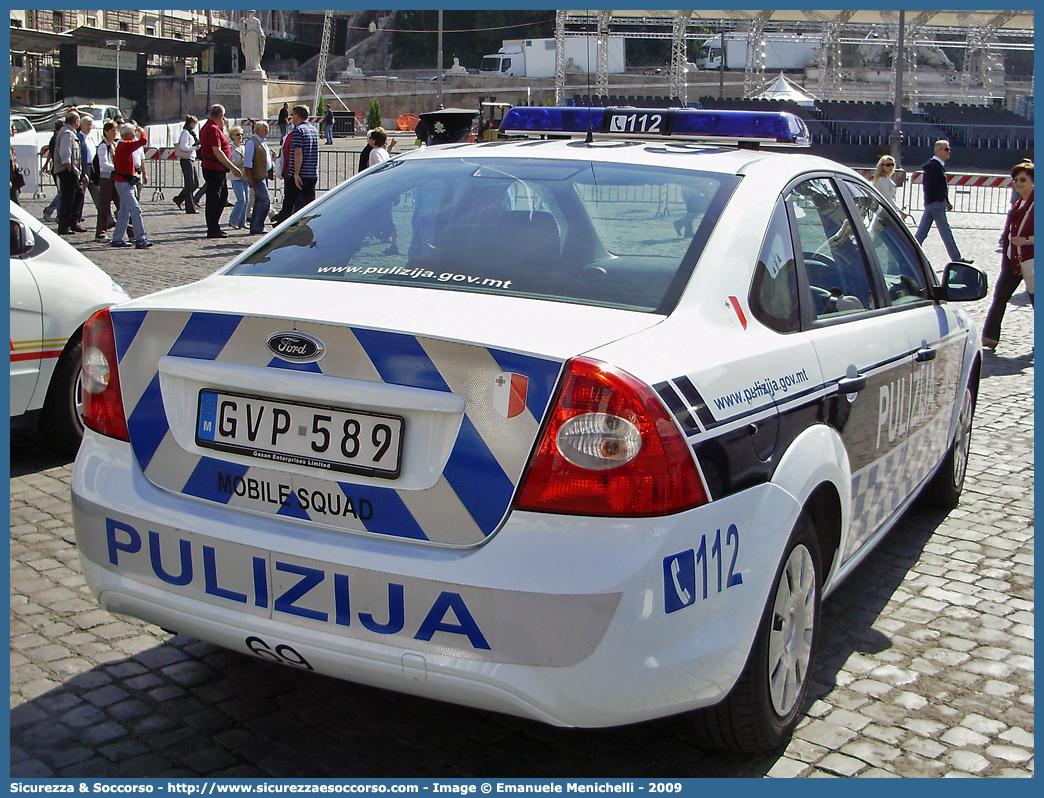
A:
(28, 156)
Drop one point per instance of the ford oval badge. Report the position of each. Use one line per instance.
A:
(297, 347)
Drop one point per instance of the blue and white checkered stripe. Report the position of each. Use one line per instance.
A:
(878, 488)
(470, 498)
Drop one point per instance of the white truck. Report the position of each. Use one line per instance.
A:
(535, 58)
(782, 51)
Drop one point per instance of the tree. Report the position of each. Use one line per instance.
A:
(373, 119)
(321, 109)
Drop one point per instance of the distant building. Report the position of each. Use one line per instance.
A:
(37, 36)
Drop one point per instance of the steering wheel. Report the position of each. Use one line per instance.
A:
(825, 301)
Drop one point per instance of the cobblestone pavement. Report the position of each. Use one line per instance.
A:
(925, 666)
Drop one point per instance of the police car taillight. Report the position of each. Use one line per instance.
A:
(610, 448)
(102, 400)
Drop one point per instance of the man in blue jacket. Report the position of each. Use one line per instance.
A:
(937, 201)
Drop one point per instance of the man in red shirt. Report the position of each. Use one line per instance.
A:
(216, 160)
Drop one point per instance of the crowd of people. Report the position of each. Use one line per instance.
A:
(112, 172)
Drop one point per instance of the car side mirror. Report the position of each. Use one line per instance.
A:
(22, 239)
(962, 283)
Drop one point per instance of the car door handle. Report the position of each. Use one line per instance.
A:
(924, 355)
(852, 384)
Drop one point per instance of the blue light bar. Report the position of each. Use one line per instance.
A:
(765, 127)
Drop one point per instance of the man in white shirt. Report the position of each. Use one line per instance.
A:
(89, 147)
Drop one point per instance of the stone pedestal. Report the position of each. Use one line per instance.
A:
(253, 94)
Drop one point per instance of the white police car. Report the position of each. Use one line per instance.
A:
(54, 289)
(576, 430)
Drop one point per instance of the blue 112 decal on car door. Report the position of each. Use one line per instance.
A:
(680, 571)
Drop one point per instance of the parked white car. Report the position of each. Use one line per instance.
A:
(578, 430)
(54, 289)
(20, 125)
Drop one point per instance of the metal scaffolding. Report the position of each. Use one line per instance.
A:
(560, 60)
(602, 73)
(679, 62)
(754, 73)
(829, 61)
(978, 55)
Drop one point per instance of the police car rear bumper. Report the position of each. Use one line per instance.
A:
(567, 620)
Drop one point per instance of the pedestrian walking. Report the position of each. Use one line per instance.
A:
(125, 179)
(240, 187)
(328, 123)
(884, 182)
(257, 162)
(937, 201)
(139, 170)
(89, 149)
(1017, 254)
(290, 191)
(216, 152)
(304, 143)
(284, 121)
(383, 225)
(17, 179)
(53, 205)
(106, 186)
(185, 150)
(68, 167)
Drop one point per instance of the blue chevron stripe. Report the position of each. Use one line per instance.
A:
(293, 509)
(400, 359)
(205, 335)
(477, 478)
(148, 424)
(203, 483)
(125, 325)
(390, 515)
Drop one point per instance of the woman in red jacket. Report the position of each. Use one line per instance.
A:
(124, 177)
(1017, 260)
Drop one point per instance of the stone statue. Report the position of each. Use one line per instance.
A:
(352, 71)
(456, 69)
(252, 42)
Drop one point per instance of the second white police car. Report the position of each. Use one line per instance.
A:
(577, 429)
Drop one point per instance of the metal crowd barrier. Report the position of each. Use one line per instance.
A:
(969, 193)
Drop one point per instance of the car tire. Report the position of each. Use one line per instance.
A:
(62, 419)
(944, 489)
(764, 706)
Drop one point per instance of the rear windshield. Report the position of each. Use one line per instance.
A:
(622, 236)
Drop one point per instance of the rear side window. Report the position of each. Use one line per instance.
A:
(613, 235)
(774, 291)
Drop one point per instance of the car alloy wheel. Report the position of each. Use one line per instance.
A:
(791, 631)
(962, 439)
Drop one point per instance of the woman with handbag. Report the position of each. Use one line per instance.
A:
(186, 152)
(1017, 257)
